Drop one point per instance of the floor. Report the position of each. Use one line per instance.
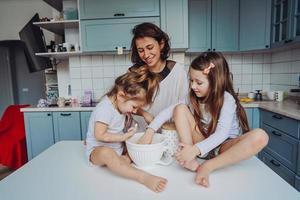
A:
(4, 172)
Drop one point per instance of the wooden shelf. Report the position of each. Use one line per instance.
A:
(58, 27)
(59, 54)
(57, 4)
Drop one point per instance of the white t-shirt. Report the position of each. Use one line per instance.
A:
(227, 126)
(106, 113)
(171, 89)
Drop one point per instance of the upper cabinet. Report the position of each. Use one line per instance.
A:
(107, 25)
(255, 24)
(281, 22)
(110, 34)
(225, 25)
(92, 9)
(213, 25)
(174, 21)
(285, 22)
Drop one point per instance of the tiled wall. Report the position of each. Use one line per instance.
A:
(98, 72)
(251, 71)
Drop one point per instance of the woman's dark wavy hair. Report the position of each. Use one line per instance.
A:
(148, 30)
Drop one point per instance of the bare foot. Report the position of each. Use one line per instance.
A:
(154, 183)
(191, 165)
(202, 175)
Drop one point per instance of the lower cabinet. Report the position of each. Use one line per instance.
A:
(43, 129)
(282, 154)
(253, 117)
(276, 166)
(39, 132)
(84, 118)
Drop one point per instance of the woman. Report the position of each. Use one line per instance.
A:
(150, 46)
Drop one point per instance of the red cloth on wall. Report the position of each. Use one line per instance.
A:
(13, 153)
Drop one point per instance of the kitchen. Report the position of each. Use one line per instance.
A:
(253, 67)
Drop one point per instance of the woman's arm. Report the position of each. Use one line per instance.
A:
(102, 135)
(146, 115)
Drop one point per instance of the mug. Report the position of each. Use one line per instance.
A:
(169, 131)
(251, 95)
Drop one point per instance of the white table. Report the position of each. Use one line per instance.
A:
(61, 172)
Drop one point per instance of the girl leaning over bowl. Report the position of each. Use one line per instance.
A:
(107, 131)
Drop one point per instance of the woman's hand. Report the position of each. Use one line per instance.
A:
(186, 153)
(147, 137)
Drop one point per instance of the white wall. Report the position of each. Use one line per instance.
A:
(14, 14)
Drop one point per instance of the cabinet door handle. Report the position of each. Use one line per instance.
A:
(267, 46)
(276, 117)
(208, 49)
(48, 114)
(214, 49)
(287, 41)
(276, 164)
(119, 14)
(275, 133)
(65, 114)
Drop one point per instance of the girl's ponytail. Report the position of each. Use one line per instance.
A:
(137, 83)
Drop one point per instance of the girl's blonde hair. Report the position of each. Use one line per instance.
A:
(215, 66)
(138, 84)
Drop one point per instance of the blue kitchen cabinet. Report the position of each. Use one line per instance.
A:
(253, 117)
(84, 118)
(282, 152)
(66, 126)
(213, 25)
(255, 24)
(296, 21)
(108, 34)
(278, 168)
(39, 132)
(43, 129)
(199, 25)
(225, 25)
(174, 21)
(104, 9)
(282, 22)
(249, 113)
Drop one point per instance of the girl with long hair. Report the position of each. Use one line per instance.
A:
(211, 122)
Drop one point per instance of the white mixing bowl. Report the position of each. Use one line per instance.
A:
(147, 155)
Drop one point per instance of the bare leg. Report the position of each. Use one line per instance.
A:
(104, 156)
(231, 152)
(185, 126)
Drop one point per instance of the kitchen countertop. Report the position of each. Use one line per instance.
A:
(61, 172)
(287, 108)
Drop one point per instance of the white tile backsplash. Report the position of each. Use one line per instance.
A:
(251, 71)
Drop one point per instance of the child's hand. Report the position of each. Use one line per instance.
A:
(147, 137)
(131, 131)
(186, 153)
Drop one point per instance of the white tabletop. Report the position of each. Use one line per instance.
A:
(61, 172)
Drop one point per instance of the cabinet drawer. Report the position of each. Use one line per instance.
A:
(297, 183)
(92, 9)
(281, 146)
(277, 167)
(106, 35)
(285, 124)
